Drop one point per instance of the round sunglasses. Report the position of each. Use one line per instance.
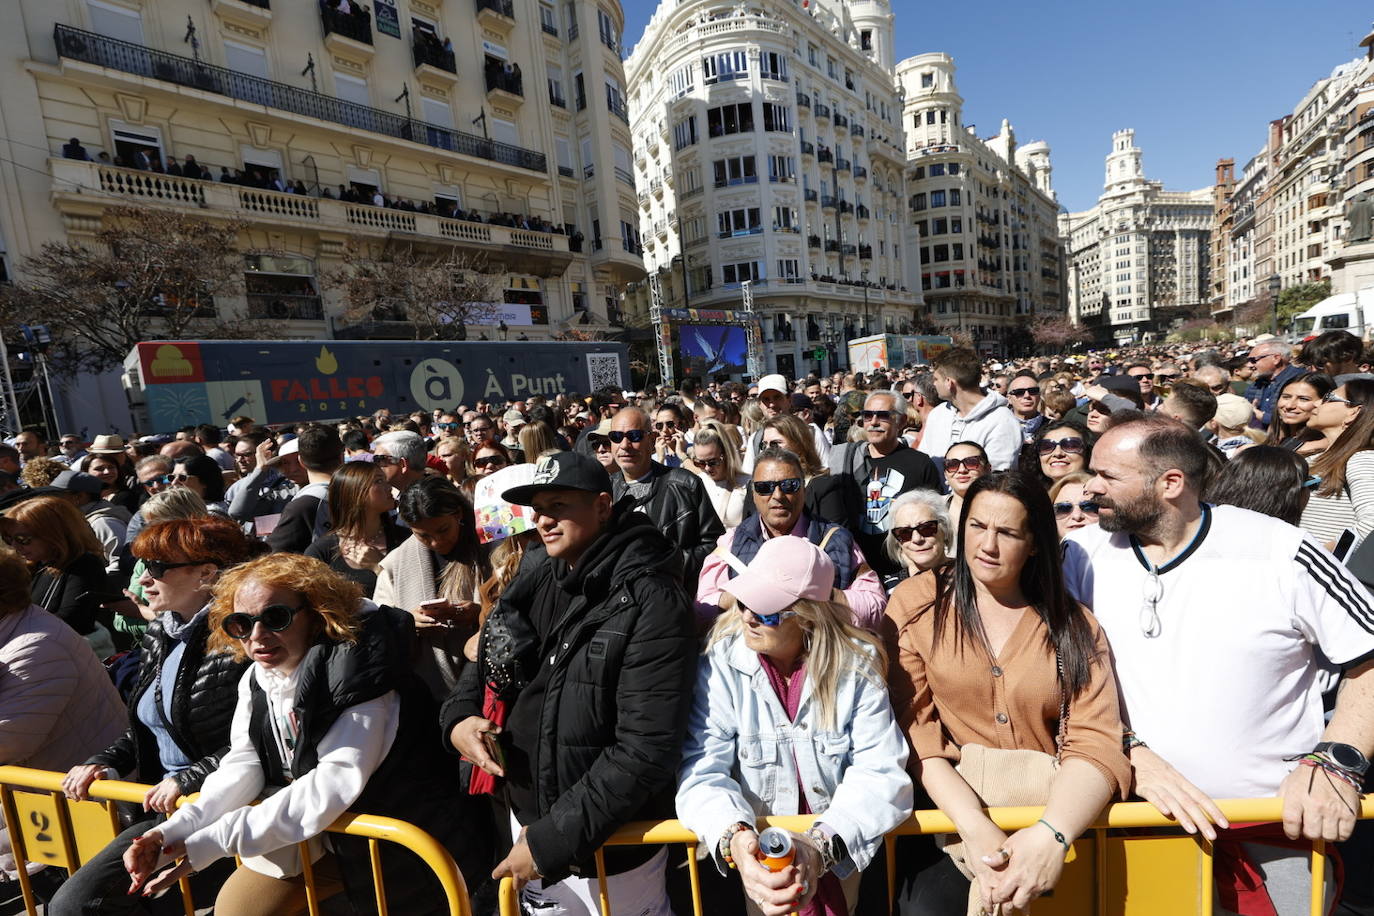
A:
(274, 617)
(972, 463)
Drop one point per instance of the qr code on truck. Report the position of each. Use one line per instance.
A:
(603, 371)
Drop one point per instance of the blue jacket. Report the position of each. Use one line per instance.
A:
(738, 761)
(840, 548)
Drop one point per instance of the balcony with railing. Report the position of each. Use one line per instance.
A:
(843, 165)
(860, 173)
(813, 241)
(808, 148)
(856, 130)
(822, 110)
(498, 13)
(144, 63)
(624, 176)
(619, 109)
(832, 246)
(841, 121)
(803, 100)
(430, 53)
(356, 26)
(250, 12)
(284, 307)
(865, 252)
(826, 156)
(549, 28)
(829, 201)
(506, 85)
(861, 212)
(810, 195)
(846, 207)
(84, 184)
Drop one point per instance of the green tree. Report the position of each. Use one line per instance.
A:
(1295, 300)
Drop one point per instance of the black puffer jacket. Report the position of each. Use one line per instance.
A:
(680, 508)
(610, 690)
(203, 702)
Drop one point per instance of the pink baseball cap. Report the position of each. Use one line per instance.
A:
(785, 570)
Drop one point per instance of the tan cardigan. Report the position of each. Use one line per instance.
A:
(957, 694)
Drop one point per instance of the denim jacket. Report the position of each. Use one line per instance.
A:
(738, 761)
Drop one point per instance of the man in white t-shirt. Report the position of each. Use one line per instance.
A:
(1222, 623)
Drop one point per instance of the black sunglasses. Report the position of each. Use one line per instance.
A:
(620, 435)
(1062, 509)
(489, 460)
(666, 424)
(867, 415)
(447, 427)
(158, 569)
(789, 486)
(710, 462)
(972, 462)
(163, 480)
(1149, 375)
(1072, 445)
(274, 617)
(924, 529)
(1023, 392)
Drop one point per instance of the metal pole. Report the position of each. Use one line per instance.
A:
(9, 401)
(52, 402)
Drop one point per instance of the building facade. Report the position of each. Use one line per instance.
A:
(1140, 259)
(1222, 219)
(1352, 262)
(1243, 236)
(471, 121)
(986, 240)
(767, 152)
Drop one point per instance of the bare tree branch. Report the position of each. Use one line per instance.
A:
(438, 292)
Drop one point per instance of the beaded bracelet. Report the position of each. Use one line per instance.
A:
(724, 846)
(1063, 841)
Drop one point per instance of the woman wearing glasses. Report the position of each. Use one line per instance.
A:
(791, 716)
(965, 462)
(179, 711)
(1060, 448)
(67, 565)
(329, 717)
(994, 656)
(1345, 463)
(920, 535)
(779, 503)
(490, 458)
(717, 462)
(1072, 509)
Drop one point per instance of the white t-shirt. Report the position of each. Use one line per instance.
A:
(1232, 682)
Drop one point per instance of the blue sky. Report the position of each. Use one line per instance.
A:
(1197, 80)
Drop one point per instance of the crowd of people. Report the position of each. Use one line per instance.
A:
(1058, 582)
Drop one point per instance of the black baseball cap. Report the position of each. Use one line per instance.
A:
(562, 471)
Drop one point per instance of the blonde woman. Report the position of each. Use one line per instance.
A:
(786, 431)
(716, 461)
(535, 440)
(791, 716)
(456, 456)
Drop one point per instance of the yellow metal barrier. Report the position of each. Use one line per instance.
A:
(1109, 874)
(44, 826)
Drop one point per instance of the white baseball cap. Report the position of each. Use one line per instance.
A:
(773, 382)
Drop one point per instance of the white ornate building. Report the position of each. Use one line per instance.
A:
(767, 149)
(986, 245)
(1139, 259)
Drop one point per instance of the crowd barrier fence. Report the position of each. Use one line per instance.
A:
(1133, 861)
(45, 826)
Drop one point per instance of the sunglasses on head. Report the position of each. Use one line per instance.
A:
(1072, 445)
(274, 617)
(768, 620)
(1023, 392)
(158, 569)
(972, 463)
(1087, 506)
(903, 533)
(789, 486)
(620, 435)
(488, 461)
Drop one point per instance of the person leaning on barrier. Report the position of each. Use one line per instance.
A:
(592, 739)
(998, 675)
(329, 718)
(180, 709)
(791, 716)
(1237, 619)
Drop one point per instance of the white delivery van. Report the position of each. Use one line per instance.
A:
(1353, 312)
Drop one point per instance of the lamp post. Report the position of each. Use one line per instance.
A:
(863, 280)
(1275, 284)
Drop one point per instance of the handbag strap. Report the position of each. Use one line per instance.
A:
(1062, 734)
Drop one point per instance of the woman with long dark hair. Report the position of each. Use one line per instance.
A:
(360, 501)
(1298, 399)
(436, 574)
(999, 674)
(1345, 463)
(1266, 479)
(1059, 448)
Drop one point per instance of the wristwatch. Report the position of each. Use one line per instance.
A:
(1344, 756)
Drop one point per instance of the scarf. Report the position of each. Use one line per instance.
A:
(829, 897)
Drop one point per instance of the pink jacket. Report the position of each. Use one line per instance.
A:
(57, 704)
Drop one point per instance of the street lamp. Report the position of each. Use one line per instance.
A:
(1275, 284)
(863, 279)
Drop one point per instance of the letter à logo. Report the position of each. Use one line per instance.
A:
(436, 384)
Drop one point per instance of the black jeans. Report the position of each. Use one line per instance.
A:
(101, 886)
(928, 881)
